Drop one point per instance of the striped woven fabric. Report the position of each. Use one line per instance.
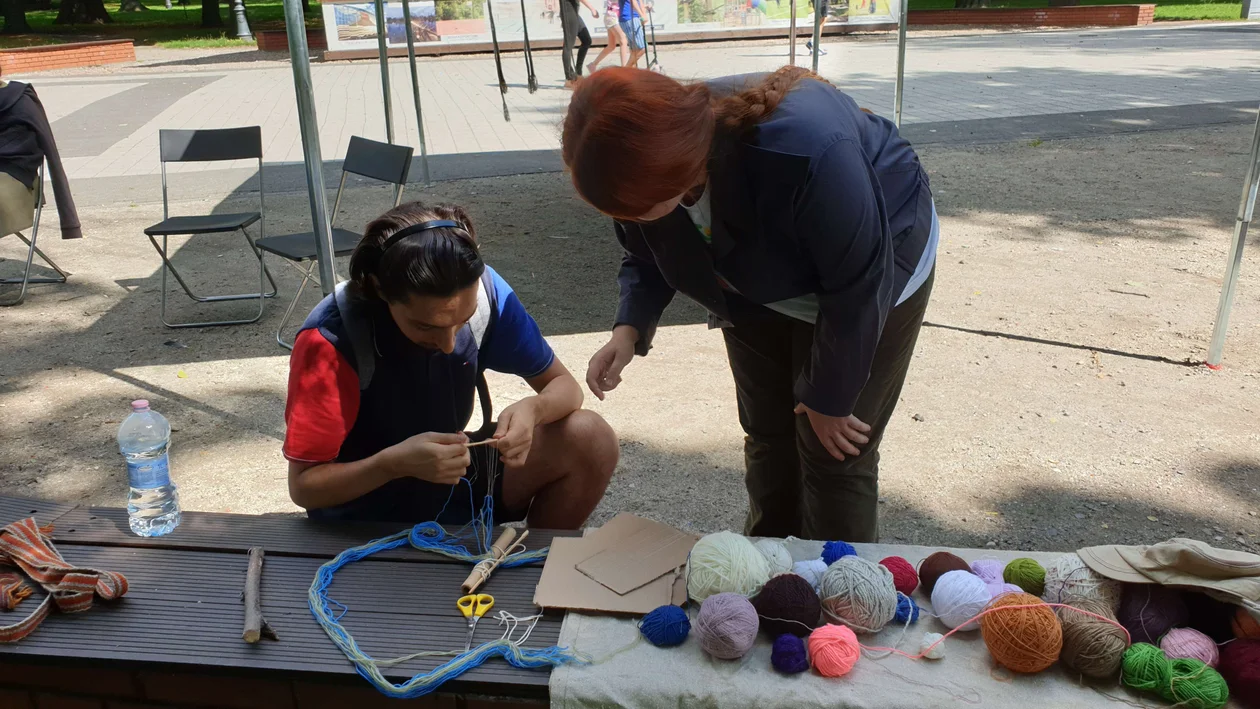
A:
(12, 590)
(70, 588)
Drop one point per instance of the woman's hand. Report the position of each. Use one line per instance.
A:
(840, 435)
(515, 433)
(436, 457)
(603, 373)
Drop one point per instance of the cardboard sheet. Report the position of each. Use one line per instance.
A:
(641, 552)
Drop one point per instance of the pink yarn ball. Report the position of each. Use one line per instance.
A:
(1190, 643)
(833, 650)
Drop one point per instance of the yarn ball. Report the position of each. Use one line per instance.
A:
(1245, 625)
(835, 551)
(998, 588)
(1022, 639)
(834, 650)
(988, 569)
(932, 647)
(788, 655)
(1027, 574)
(958, 597)
(936, 565)
(1146, 668)
(726, 626)
(725, 563)
(1068, 580)
(1148, 611)
(812, 571)
(907, 610)
(1240, 666)
(788, 604)
(1091, 646)
(905, 580)
(666, 626)
(1210, 616)
(777, 556)
(1184, 682)
(1190, 643)
(859, 594)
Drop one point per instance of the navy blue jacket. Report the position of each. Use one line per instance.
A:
(819, 198)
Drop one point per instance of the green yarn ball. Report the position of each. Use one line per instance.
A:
(1027, 574)
(1185, 682)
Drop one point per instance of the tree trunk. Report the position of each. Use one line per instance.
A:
(306, 6)
(131, 6)
(74, 12)
(210, 16)
(965, 4)
(15, 17)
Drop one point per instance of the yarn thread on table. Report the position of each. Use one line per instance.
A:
(1027, 574)
(905, 579)
(788, 604)
(725, 562)
(1068, 579)
(1188, 683)
(959, 596)
(666, 626)
(1092, 646)
(858, 593)
(834, 650)
(778, 558)
(1240, 666)
(1022, 639)
(1150, 610)
(835, 551)
(1191, 644)
(788, 655)
(726, 625)
(937, 565)
(989, 570)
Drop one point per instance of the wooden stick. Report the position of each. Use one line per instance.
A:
(486, 442)
(498, 550)
(256, 625)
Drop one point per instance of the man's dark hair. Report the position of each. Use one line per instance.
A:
(435, 262)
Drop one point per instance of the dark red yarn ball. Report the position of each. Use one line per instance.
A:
(788, 604)
(937, 565)
(905, 579)
(1240, 666)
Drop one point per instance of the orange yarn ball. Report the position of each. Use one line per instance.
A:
(1022, 639)
(833, 650)
(1245, 625)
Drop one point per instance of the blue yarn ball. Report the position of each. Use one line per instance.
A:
(834, 551)
(666, 626)
(788, 655)
(907, 609)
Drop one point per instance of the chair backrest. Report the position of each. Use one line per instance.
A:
(209, 145)
(379, 161)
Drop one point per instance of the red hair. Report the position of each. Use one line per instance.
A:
(633, 138)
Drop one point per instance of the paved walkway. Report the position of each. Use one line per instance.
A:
(107, 119)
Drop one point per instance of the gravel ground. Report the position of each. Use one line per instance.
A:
(1054, 400)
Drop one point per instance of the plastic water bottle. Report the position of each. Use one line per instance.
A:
(143, 439)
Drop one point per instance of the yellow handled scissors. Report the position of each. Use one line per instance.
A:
(473, 607)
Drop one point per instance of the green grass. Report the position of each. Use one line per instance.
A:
(1164, 9)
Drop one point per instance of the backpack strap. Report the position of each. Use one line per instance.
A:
(481, 324)
(359, 331)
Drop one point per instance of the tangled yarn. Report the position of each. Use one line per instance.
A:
(932, 647)
(834, 650)
(835, 551)
(788, 655)
(1190, 643)
(726, 626)
(1240, 666)
(1091, 646)
(1068, 580)
(1245, 625)
(788, 604)
(812, 571)
(1022, 639)
(1189, 683)
(859, 594)
(905, 579)
(1148, 611)
(907, 610)
(989, 570)
(999, 588)
(958, 597)
(725, 563)
(936, 565)
(1027, 574)
(778, 558)
(666, 626)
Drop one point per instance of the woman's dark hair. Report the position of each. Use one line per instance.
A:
(436, 262)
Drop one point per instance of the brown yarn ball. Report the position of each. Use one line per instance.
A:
(1022, 639)
(937, 565)
(1091, 646)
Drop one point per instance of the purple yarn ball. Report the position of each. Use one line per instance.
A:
(988, 569)
(788, 655)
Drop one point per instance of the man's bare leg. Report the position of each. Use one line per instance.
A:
(567, 470)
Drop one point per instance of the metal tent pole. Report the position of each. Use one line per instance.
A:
(415, 89)
(532, 79)
(382, 30)
(819, 18)
(792, 34)
(902, 21)
(295, 26)
(1246, 211)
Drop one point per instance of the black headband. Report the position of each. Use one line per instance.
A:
(416, 229)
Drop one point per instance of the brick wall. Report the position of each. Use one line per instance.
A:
(278, 40)
(1079, 16)
(35, 686)
(65, 56)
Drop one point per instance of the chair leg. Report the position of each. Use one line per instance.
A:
(31, 251)
(306, 278)
(261, 295)
(258, 254)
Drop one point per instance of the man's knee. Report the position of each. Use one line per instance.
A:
(587, 433)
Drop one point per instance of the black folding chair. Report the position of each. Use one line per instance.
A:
(366, 158)
(209, 146)
(32, 250)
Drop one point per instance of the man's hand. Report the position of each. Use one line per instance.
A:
(436, 457)
(515, 433)
(594, 13)
(840, 435)
(603, 373)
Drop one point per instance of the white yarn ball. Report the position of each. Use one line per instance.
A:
(935, 653)
(777, 556)
(725, 563)
(1069, 580)
(958, 597)
(811, 570)
(859, 594)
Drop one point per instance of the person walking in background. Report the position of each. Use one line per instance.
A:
(631, 17)
(574, 29)
(616, 38)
